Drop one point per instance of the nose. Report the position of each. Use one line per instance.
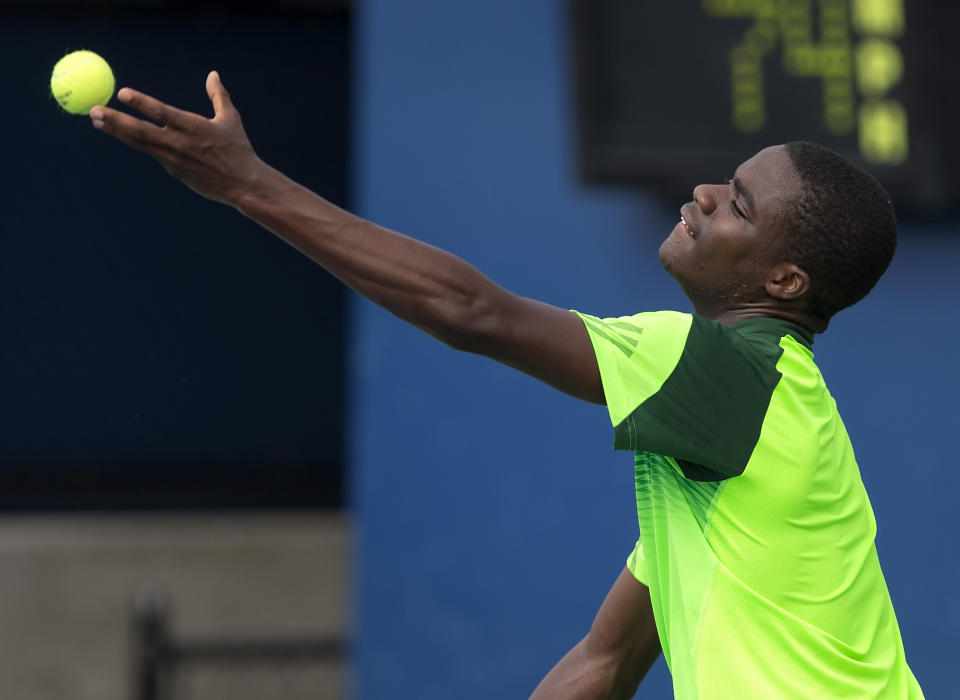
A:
(704, 197)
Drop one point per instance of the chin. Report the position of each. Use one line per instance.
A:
(671, 262)
(668, 258)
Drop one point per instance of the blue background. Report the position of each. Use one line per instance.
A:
(491, 514)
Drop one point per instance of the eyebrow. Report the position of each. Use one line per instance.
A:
(738, 185)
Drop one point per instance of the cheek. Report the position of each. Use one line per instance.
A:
(728, 268)
(733, 250)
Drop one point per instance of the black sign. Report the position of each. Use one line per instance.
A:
(676, 92)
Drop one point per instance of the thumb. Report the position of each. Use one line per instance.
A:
(222, 105)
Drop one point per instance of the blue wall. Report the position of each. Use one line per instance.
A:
(492, 515)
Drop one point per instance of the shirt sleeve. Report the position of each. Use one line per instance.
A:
(637, 564)
(683, 386)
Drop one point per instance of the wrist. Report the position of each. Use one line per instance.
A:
(261, 186)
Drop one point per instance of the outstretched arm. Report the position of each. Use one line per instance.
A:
(616, 654)
(432, 289)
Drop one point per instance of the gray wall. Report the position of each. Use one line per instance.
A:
(492, 513)
(69, 584)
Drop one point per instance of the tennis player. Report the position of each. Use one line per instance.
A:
(756, 573)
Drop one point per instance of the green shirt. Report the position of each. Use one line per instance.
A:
(756, 533)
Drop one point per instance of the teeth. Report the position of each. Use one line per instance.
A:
(687, 226)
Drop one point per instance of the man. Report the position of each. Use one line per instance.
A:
(756, 573)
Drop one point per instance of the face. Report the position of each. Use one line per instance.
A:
(721, 249)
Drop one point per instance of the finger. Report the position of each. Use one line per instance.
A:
(134, 132)
(160, 112)
(222, 104)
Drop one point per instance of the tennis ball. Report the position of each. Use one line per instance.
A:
(80, 81)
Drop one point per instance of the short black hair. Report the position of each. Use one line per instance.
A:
(841, 229)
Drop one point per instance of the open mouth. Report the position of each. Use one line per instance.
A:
(687, 226)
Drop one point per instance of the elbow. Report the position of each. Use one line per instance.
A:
(470, 325)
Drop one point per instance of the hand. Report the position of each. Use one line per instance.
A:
(213, 157)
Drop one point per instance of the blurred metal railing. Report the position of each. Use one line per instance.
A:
(157, 654)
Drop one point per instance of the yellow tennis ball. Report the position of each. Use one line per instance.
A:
(80, 81)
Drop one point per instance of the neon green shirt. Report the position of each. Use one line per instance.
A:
(756, 533)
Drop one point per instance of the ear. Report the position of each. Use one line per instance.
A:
(787, 281)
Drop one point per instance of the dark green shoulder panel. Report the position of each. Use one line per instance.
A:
(710, 410)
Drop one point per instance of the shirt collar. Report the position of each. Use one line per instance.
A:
(775, 328)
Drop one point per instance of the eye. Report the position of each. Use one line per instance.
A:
(733, 203)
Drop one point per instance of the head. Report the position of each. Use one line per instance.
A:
(798, 232)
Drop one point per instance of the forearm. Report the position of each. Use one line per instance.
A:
(428, 287)
(615, 655)
(582, 675)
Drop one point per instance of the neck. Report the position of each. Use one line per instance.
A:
(742, 311)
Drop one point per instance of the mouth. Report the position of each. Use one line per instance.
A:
(689, 229)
